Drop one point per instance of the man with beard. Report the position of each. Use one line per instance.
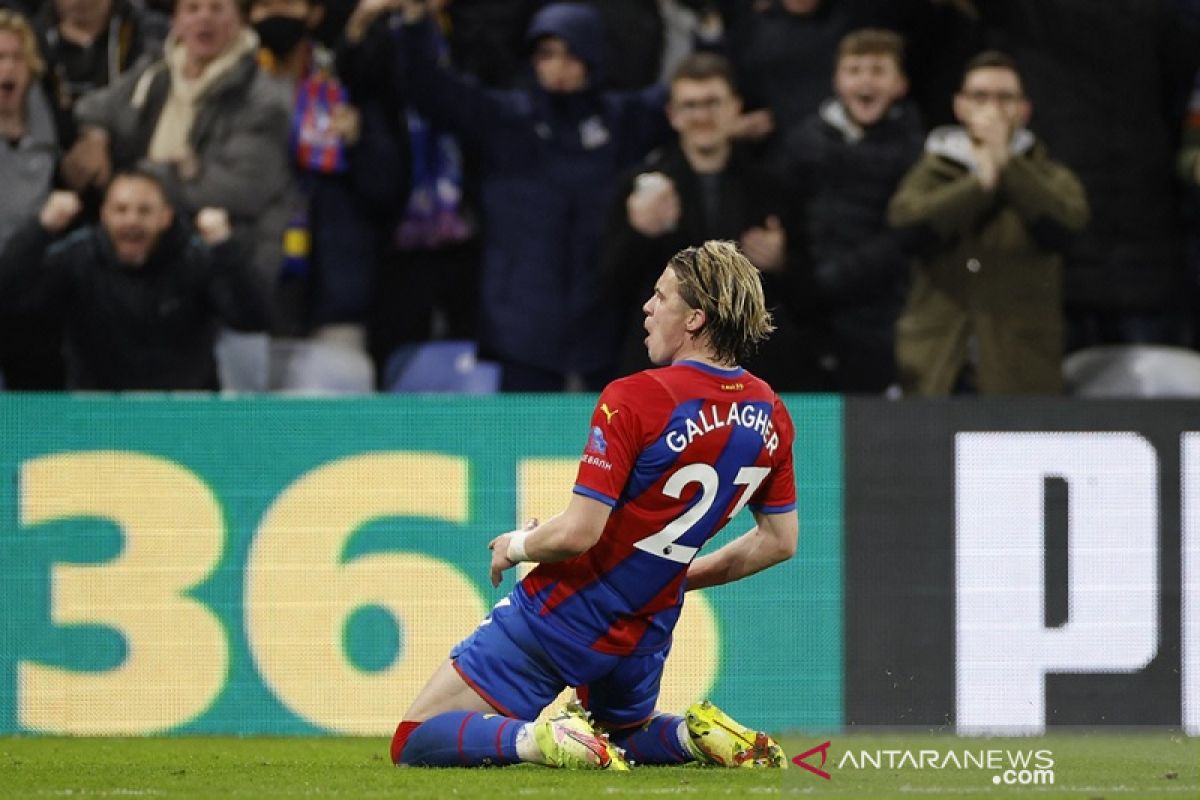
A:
(141, 294)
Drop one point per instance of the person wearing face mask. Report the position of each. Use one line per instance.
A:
(142, 292)
(328, 252)
(281, 26)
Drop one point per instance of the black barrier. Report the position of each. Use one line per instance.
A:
(926, 499)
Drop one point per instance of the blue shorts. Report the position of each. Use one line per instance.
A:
(519, 674)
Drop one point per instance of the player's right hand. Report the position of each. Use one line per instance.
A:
(499, 548)
(500, 562)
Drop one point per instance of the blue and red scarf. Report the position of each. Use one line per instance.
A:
(316, 146)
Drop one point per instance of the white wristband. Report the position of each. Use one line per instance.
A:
(516, 547)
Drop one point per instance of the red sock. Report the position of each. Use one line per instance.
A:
(403, 731)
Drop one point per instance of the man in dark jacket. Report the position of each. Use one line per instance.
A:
(846, 161)
(547, 158)
(702, 189)
(141, 295)
(88, 44)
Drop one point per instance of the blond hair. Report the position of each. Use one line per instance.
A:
(16, 24)
(720, 281)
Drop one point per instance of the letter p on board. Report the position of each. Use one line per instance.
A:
(1003, 648)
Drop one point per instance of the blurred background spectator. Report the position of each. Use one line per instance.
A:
(141, 293)
(845, 161)
(547, 157)
(88, 44)
(30, 338)
(701, 188)
(990, 213)
(329, 244)
(426, 279)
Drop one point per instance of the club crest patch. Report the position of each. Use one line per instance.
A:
(596, 442)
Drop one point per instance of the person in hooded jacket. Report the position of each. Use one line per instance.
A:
(548, 157)
(141, 292)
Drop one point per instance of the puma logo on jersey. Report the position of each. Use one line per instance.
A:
(608, 415)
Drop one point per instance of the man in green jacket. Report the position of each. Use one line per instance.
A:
(989, 214)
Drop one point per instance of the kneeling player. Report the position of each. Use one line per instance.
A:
(672, 455)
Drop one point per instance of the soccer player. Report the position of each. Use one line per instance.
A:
(672, 454)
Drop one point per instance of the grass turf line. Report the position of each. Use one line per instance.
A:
(1095, 765)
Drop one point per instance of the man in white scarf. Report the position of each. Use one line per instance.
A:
(203, 119)
(201, 49)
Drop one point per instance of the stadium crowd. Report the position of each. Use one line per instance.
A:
(942, 196)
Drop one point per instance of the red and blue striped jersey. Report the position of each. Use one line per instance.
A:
(676, 452)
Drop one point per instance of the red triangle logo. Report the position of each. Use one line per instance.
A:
(823, 749)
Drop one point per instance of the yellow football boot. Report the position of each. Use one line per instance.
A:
(718, 738)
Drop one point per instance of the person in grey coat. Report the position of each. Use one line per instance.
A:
(29, 341)
(206, 121)
(28, 146)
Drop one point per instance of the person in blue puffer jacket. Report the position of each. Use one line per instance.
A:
(547, 159)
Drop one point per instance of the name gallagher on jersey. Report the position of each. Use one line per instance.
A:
(746, 416)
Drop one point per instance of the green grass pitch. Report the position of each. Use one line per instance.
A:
(1093, 765)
